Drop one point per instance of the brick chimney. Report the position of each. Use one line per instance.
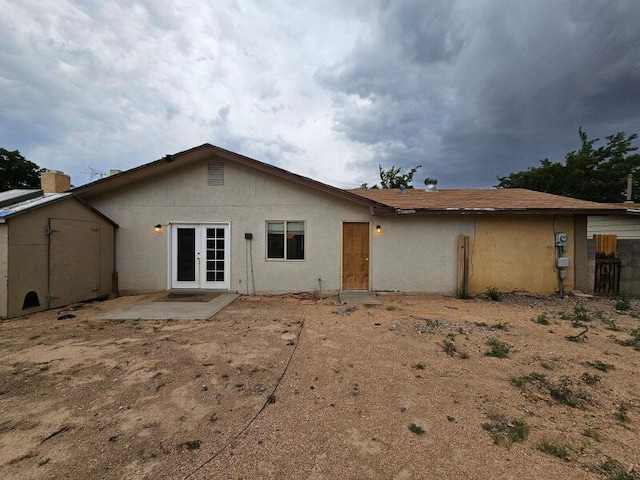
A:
(54, 181)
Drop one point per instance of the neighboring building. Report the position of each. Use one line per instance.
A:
(615, 265)
(208, 218)
(54, 249)
(625, 226)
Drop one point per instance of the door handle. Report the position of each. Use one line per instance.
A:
(366, 259)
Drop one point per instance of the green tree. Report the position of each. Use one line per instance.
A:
(590, 173)
(392, 178)
(18, 172)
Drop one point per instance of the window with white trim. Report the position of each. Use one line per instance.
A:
(285, 240)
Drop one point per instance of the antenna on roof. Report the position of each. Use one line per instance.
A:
(93, 173)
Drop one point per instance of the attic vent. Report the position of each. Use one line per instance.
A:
(215, 174)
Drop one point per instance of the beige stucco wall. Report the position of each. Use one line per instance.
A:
(28, 246)
(247, 200)
(417, 253)
(518, 253)
(4, 268)
(412, 253)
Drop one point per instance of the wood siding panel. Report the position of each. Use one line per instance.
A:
(623, 227)
(73, 261)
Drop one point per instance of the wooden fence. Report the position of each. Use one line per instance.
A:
(607, 272)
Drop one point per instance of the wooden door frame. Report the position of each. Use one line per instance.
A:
(368, 223)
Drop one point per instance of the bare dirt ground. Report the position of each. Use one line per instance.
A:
(286, 388)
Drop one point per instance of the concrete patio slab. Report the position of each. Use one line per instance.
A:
(172, 310)
(359, 298)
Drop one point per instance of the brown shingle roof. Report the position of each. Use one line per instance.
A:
(512, 200)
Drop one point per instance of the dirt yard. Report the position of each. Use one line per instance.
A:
(293, 388)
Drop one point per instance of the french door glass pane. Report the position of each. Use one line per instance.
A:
(186, 251)
(215, 254)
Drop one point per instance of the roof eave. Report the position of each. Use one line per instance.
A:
(516, 211)
(4, 218)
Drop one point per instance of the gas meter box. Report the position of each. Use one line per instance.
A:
(563, 262)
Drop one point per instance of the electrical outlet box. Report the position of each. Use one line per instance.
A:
(563, 262)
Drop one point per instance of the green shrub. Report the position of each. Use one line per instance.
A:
(498, 349)
(581, 314)
(590, 379)
(562, 393)
(556, 449)
(611, 324)
(614, 470)
(462, 294)
(623, 303)
(622, 412)
(634, 341)
(542, 319)
(494, 294)
(192, 444)
(592, 432)
(504, 431)
(600, 365)
(539, 379)
(417, 429)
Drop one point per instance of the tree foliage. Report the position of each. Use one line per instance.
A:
(18, 172)
(590, 173)
(392, 178)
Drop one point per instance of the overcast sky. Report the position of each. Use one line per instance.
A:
(469, 89)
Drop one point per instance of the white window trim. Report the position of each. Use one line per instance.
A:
(284, 259)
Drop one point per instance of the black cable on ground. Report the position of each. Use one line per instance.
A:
(269, 400)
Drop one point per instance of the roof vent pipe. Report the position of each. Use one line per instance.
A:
(403, 190)
(431, 184)
(629, 188)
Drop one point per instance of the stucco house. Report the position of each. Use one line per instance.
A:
(208, 218)
(54, 249)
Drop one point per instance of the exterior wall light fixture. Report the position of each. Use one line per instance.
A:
(378, 229)
(157, 228)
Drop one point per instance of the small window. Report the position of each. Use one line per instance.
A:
(285, 240)
(215, 174)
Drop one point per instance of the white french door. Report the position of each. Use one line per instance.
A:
(200, 256)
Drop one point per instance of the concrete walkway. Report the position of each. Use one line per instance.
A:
(172, 310)
(356, 297)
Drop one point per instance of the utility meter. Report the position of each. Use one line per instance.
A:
(561, 240)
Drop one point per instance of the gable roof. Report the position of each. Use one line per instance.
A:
(503, 200)
(8, 211)
(208, 151)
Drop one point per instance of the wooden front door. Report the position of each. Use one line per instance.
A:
(355, 256)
